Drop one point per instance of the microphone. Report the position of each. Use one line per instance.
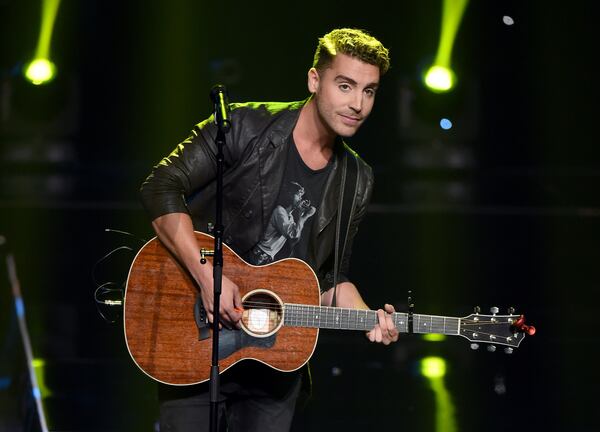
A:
(218, 95)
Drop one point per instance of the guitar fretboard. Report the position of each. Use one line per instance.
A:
(357, 319)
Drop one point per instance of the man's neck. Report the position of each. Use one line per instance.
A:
(313, 139)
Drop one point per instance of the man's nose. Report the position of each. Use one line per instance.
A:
(356, 102)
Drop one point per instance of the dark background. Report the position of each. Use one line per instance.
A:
(501, 210)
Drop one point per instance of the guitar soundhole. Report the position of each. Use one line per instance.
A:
(263, 313)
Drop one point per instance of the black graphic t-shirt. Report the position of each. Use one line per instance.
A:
(288, 231)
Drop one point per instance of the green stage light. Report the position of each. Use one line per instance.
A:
(433, 367)
(41, 70)
(39, 367)
(440, 77)
(434, 337)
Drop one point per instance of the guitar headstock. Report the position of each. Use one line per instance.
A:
(508, 330)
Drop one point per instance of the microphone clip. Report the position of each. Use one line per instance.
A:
(220, 99)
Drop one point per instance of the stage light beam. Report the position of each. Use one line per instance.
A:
(439, 77)
(434, 369)
(41, 69)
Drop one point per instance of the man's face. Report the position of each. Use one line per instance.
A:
(344, 93)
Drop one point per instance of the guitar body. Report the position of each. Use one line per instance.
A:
(161, 331)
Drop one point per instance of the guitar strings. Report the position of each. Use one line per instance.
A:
(278, 308)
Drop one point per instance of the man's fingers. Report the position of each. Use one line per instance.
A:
(385, 330)
(391, 328)
(237, 300)
(375, 335)
(211, 319)
(388, 329)
(381, 318)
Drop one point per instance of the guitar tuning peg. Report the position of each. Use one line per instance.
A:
(491, 348)
(511, 310)
(520, 326)
(474, 346)
(477, 309)
(508, 350)
(494, 310)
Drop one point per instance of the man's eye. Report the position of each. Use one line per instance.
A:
(344, 87)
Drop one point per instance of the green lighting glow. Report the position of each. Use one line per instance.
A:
(39, 366)
(440, 77)
(434, 337)
(434, 369)
(41, 70)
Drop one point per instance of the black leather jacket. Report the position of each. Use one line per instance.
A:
(255, 157)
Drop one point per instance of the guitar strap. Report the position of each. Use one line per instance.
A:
(346, 202)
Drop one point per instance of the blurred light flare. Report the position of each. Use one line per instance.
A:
(508, 20)
(445, 124)
(41, 391)
(434, 337)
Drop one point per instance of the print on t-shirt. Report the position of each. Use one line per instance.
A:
(286, 224)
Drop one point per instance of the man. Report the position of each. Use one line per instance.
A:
(271, 146)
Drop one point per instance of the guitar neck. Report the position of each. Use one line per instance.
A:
(357, 319)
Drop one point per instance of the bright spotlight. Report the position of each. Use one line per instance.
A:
(433, 367)
(439, 79)
(40, 71)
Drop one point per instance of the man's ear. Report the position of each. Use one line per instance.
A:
(313, 80)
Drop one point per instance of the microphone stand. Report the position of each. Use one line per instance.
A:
(223, 128)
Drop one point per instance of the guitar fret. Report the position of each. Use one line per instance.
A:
(401, 322)
(426, 324)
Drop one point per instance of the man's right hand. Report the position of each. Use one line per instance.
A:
(230, 310)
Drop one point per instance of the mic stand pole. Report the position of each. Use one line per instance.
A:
(218, 276)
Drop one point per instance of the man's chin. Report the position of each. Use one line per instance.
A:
(347, 132)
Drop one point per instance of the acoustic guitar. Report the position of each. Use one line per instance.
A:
(169, 339)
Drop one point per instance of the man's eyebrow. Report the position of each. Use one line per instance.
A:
(344, 78)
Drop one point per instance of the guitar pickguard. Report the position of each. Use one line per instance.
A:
(231, 341)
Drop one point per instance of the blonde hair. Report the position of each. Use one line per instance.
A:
(353, 42)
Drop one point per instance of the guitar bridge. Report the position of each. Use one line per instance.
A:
(201, 320)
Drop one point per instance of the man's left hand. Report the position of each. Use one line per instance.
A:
(385, 331)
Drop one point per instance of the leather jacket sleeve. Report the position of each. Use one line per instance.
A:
(190, 167)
